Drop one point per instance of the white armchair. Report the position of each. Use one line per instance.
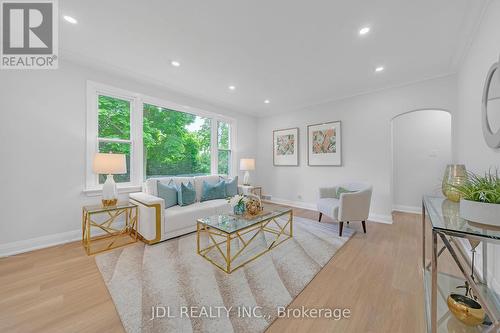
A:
(353, 206)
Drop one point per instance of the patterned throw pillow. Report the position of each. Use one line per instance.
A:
(186, 194)
(231, 186)
(168, 192)
(213, 191)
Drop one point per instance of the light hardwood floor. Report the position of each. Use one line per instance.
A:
(377, 276)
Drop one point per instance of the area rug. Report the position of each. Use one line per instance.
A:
(168, 287)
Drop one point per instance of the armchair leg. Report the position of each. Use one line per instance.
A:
(341, 226)
(320, 216)
(364, 226)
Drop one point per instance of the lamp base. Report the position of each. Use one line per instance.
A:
(109, 192)
(109, 202)
(246, 178)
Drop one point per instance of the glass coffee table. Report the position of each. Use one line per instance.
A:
(230, 241)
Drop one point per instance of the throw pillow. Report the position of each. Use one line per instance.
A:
(186, 194)
(341, 190)
(213, 191)
(231, 186)
(168, 192)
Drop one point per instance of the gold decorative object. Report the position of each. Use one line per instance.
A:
(465, 309)
(454, 175)
(253, 206)
(113, 236)
(109, 203)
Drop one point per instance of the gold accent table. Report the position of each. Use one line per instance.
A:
(112, 235)
(234, 240)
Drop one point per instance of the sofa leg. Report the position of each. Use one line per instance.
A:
(364, 226)
(341, 226)
(320, 216)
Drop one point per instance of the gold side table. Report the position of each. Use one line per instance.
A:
(117, 228)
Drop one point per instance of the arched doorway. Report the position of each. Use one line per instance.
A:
(421, 149)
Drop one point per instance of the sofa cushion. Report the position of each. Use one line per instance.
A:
(168, 192)
(179, 217)
(151, 184)
(186, 194)
(198, 183)
(329, 207)
(231, 186)
(213, 191)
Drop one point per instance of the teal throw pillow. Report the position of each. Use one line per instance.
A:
(341, 190)
(231, 186)
(168, 192)
(213, 191)
(186, 194)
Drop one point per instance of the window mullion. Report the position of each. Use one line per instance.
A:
(214, 141)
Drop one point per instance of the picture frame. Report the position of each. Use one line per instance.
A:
(324, 144)
(286, 147)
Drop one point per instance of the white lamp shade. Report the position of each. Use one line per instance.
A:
(110, 164)
(247, 164)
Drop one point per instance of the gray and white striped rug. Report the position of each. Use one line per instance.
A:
(189, 294)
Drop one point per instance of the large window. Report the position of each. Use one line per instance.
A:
(114, 131)
(159, 138)
(175, 143)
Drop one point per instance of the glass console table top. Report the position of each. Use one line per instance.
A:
(230, 223)
(444, 215)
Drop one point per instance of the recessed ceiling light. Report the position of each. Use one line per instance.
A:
(70, 19)
(364, 31)
(267, 101)
(175, 63)
(232, 87)
(379, 69)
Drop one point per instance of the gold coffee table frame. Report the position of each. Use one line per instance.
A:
(268, 225)
(112, 237)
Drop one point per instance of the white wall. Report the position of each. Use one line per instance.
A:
(42, 141)
(366, 137)
(470, 147)
(421, 151)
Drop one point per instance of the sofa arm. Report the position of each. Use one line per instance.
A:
(151, 210)
(355, 206)
(328, 192)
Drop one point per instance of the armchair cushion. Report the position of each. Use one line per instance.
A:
(341, 190)
(329, 207)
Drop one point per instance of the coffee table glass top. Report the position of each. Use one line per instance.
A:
(230, 223)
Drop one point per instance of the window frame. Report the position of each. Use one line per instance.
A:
(137, 101)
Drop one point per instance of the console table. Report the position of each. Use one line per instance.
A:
(449, 233)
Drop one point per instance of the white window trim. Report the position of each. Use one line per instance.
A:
(92, 186)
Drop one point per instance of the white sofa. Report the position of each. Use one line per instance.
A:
(354, 206)
(157, 223)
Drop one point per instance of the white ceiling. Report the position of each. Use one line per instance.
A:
(294, 53)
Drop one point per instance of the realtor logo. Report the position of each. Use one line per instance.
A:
(29, 34)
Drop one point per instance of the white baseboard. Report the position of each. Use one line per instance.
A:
(381, 218)
(407, 209)
(22, 246)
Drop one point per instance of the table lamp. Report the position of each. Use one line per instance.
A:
(109, 164)
(247, 164)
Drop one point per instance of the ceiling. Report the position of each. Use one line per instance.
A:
(294, 53)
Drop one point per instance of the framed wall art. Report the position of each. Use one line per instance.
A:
(286, 147)
(324, 144)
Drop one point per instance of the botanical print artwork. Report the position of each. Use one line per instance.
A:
(285, 144)
(324, 141)
(286, 147)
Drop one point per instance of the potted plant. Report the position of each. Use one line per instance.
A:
(238, 204)
(480, 198)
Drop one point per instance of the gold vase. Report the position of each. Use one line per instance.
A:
(454, 175)
(465, 309)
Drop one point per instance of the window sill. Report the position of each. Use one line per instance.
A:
(95, 192)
